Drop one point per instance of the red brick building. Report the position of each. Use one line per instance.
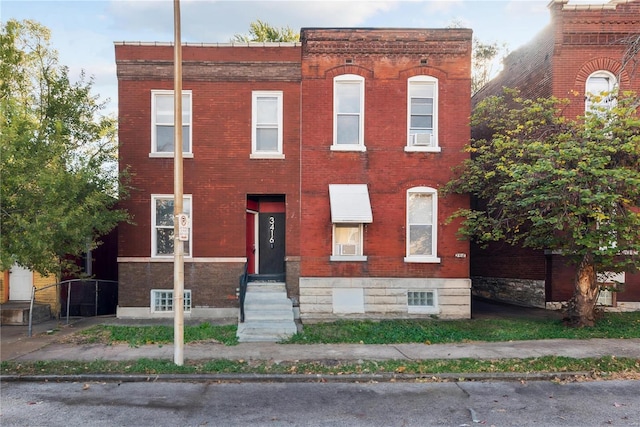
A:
(384, 118)
(316, 164)
(580, 52)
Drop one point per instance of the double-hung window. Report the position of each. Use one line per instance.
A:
(162, 220)
(348, 113)
(600, 92)
(422, 225)
(162, 123)
(422, 114)
(266, 129)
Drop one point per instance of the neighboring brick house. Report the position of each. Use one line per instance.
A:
(373, 158)
(315, 163)
(580, 52)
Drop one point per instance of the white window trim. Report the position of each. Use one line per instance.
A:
(169, 154)
(600, 73)
(424, 308)
(434, 227)
(436, 146)
(255, 154)
(154, 197)
(187, 308)
(348, 147)
(337, 257)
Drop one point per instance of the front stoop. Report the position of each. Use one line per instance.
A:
(268, 313)
(17, 313)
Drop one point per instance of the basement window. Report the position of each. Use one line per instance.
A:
(422, 301)
(162, 301)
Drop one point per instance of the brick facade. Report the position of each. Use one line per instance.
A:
(580, 40)
(219, 176)
(386, 59)
(222, 177)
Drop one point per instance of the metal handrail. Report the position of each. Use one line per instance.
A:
(69, 282)
(244, 279)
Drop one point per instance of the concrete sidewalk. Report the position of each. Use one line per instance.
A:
(45, 345)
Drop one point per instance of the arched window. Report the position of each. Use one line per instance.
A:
(600, 91)
(422, 114)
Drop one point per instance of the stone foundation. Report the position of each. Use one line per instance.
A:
(528, 293)
(332, 298)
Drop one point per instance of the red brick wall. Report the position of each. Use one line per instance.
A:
(505, 261)
(386, 59)
(220, 174)
(588, 40)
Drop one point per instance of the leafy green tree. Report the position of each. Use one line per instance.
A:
(260, 31)
(484, 59)
(546, 182)
(59, 179)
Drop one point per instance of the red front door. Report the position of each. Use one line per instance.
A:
(251, 242)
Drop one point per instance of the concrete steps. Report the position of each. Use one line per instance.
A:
(268, 313)
(17, 313)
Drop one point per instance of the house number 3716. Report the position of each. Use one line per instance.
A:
(272, 229)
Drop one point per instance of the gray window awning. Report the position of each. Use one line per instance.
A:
(350, 203)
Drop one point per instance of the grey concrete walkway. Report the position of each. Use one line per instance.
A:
(45, 345)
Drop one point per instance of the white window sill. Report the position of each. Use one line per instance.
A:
(358, 258)
(266, 156)
(170, 258)
(415, 149)
(169, 155)
(346, 147)
(422, 259)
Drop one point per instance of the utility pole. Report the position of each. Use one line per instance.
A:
(178, 243)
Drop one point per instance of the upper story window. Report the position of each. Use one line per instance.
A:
(600, 91)
(422, 114)
(162, 230)
(348, 113)
(266, 128)
(162, 126)
(422, 225)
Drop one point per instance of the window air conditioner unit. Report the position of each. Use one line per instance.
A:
(346, 249)
(421, 139)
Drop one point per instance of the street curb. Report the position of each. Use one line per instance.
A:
(300, 378)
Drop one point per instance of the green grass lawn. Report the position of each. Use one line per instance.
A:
(611, 325)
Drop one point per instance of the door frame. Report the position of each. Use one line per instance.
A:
(253, 239)
(256, 205)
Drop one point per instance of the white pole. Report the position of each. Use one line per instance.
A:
(178, 246)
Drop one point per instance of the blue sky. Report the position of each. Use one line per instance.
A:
(83, 31)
